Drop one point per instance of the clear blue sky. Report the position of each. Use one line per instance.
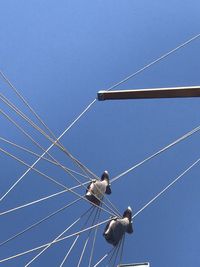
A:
(59, 54)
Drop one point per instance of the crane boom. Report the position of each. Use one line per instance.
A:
(172, 92)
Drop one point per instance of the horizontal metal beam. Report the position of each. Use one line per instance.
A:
(145, 264)
(173, 92)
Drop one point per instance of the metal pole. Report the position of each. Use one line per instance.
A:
(173, 92)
